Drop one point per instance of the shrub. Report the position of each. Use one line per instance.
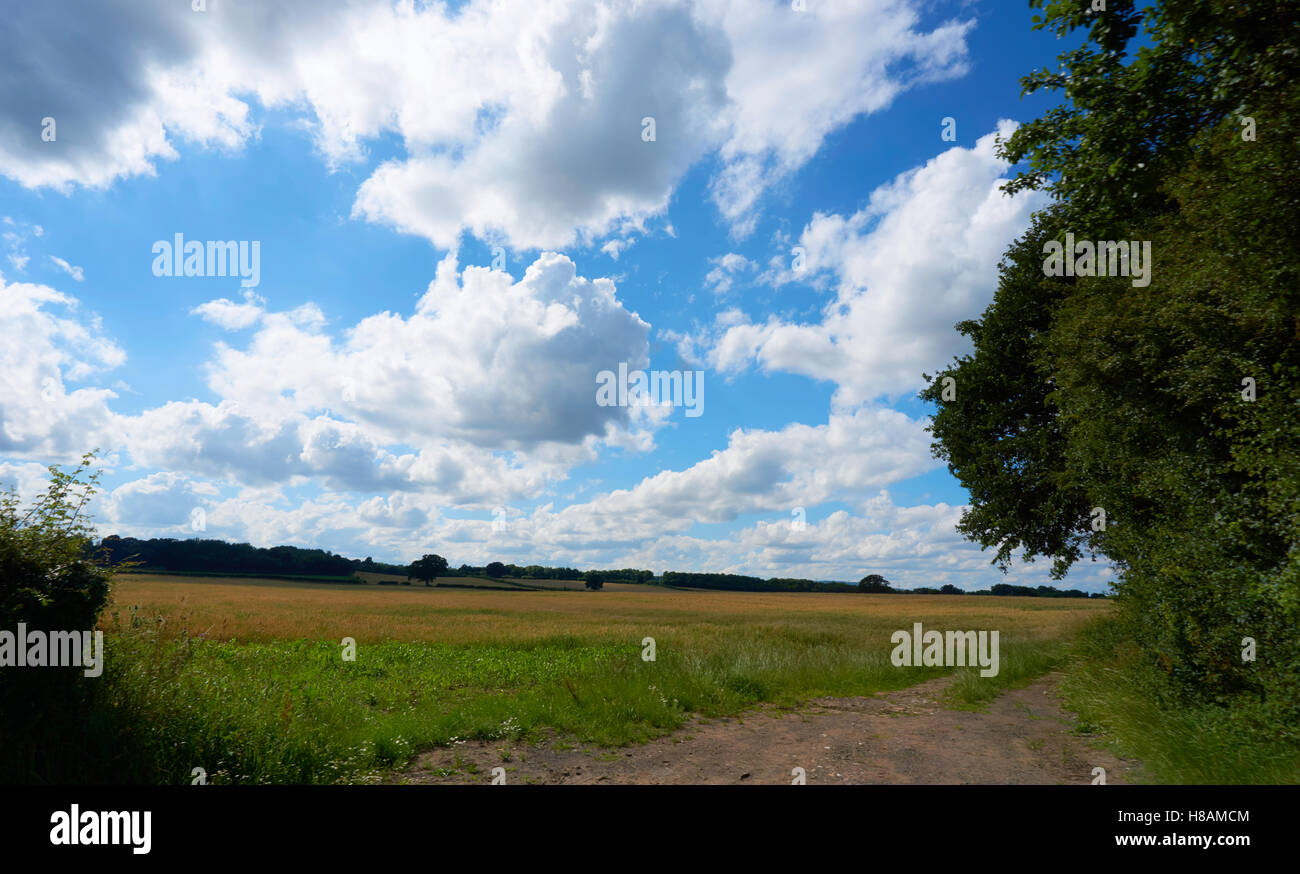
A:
(51, 581)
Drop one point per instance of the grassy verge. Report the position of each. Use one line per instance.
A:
(1021, 662)
(1117, 694)
(295, 712)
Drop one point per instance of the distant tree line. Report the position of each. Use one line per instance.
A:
(1039, 592)
(532, 571)
(871, 584)
(740, 583)
(497, 569)
(169, 554)
(217, 556)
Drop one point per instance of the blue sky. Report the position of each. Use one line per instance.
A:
(384, 391)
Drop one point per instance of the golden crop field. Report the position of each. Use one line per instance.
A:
(264, 610)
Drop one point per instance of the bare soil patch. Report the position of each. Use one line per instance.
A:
(906, 736)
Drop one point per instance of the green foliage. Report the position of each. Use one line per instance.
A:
(50, 581)
(594, 580)
(1123, 700)
(47, 576)
(1130, 117)
(1000, 434)
(874, 583)
(427, 568)
(624, 575)
(741, 583)
(216, 556)
(1204, 485)
(1086, 392)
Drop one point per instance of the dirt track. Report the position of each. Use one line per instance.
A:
(906, 736)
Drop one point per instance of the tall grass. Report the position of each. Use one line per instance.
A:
(1124, 697)
(1021, 662)
(295, 712)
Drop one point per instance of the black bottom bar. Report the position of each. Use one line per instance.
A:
(636, 824)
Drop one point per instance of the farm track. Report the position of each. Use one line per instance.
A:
(900, 737)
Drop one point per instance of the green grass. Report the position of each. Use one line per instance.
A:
(295, 712)
(1120, 697)
(1019, 664)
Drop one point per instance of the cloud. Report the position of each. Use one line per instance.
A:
(15, 239)
(534, 132)
(224, 444)
(614, 248)
(578, 163)
(725, 268)
(758, 471)
(483, 359)
(795, 78)
(75, 272)
(163, 503)
(45, 344)
(232, 316)
(27, 480)
(486, 392)
(910, 545)
(169, 504)
(921, 256)
(113, 81)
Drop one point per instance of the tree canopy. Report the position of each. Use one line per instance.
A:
(874, 583)
(1154, 426)
(427, 568)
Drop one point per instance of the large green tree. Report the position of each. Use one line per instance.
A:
(874, 583)
(1174, 408)
(996, 426)
(1137, 92)
(428, 568)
